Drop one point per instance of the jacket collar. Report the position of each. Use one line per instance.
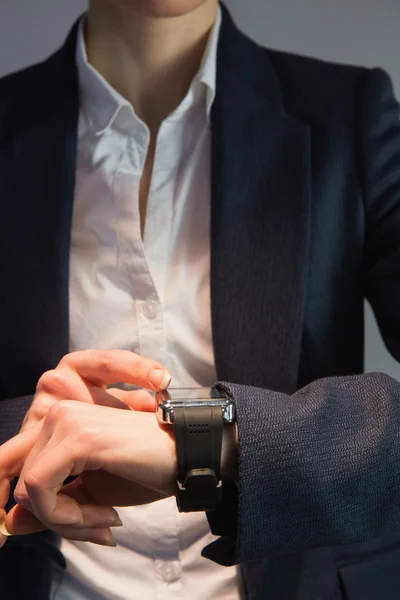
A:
(259, 226)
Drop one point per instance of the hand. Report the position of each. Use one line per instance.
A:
(82, 439)
(84, 376)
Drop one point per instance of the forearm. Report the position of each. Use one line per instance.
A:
(319, 468)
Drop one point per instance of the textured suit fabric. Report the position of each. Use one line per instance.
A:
(305, 223)
(13, 412)
(317, 468)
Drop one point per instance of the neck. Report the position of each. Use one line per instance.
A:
(150, 61)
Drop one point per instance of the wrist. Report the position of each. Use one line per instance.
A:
(229, 452)
(206, 443)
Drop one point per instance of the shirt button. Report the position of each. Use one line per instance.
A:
(170, 571)
(150, 309)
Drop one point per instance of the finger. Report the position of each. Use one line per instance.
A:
(95, 535)
(140, 400)
(12, 457)
(57, 385)
(79, 491)
(38, 489)
(20, 521)
(111, 490)
(107, 367)
(66, 384)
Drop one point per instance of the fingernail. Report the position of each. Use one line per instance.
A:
(108, 523)
(4, 530)
(160, 378)
(109, 541)
(118, 523)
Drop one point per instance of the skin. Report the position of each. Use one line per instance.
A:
(111, 439)
(157, 9)
(83, 377)
(149, 50)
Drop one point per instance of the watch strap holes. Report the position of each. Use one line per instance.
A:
(198, 428)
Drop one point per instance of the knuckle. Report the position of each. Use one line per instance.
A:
(102, 359)
(38, 410)
(21, 496)
(31, 481)
(67, 359)
(53, 414)
(107, 361)
(43, 405)
(50, 382)
(60, 412)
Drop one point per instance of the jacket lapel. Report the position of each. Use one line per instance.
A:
(37, 203)
(259, 231)
(260, 220)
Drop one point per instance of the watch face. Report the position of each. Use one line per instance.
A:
(173, 398)
(189, 394)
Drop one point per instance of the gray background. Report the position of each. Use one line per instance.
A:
(364, 32)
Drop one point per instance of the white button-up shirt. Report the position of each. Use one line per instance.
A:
(149, 296)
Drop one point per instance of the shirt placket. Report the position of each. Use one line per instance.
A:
(134, 262)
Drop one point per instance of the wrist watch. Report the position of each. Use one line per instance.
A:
(198, 416)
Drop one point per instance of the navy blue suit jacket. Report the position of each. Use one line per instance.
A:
(305, 225)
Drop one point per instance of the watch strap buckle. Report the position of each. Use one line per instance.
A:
(200, 491)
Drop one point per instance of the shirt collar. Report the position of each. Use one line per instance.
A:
(101, 103)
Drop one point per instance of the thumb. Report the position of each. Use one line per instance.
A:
(20, 521)
(12, 457)
(140, 400)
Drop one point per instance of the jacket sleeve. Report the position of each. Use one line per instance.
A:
(12, 413)
(322, 467)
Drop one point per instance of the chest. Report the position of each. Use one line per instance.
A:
(265, 227)
(140, 253)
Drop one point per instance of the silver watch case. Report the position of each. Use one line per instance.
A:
(172, 398)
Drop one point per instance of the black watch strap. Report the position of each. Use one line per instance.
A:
(198, 433)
